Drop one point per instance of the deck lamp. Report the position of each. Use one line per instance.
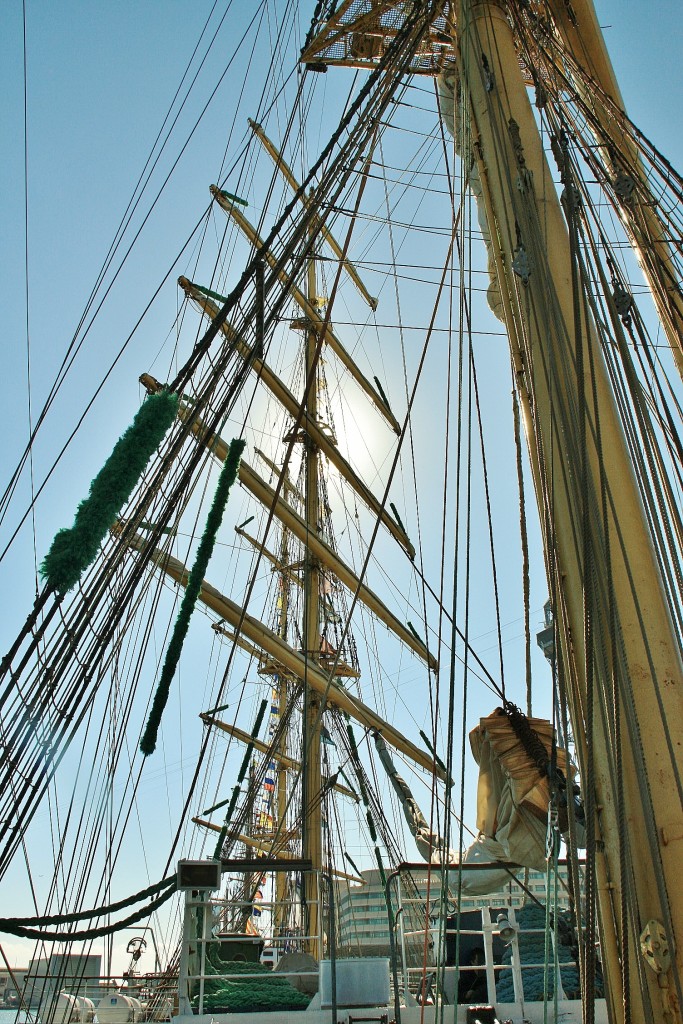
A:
(506, 929)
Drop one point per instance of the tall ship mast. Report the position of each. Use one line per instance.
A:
(280, 571)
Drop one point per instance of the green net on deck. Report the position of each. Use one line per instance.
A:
(250, 995)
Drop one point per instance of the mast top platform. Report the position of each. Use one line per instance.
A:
(359, 32)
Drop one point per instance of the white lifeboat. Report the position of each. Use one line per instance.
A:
(118, 1008)
(86, 1010)
(62, 1010)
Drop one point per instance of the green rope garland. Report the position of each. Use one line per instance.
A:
(86, 915)
(225, 481)
(74, 549)
(92, 933)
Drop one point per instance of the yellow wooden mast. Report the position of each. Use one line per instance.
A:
(284, 759)
(288, 175)
(309, 308)
(631, 611)
(282, 883)
(311, 793)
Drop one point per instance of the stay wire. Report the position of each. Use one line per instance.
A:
(29, 389)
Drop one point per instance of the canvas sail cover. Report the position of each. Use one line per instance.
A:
(513, 796)
(512, 793)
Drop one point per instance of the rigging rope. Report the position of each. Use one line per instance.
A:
(84, 915)
(89, 933)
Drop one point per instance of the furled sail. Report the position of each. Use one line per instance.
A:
(429, 843)
(514, 789)
(513, 799)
